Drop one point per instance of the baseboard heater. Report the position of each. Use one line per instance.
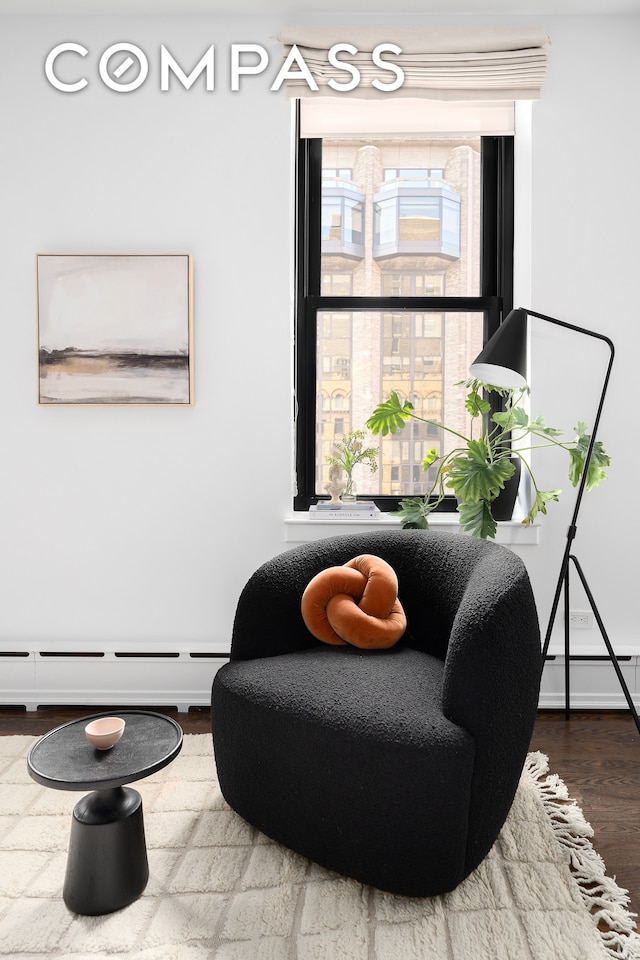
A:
(593, 683)
(176, 677)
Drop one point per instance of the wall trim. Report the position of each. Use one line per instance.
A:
(303, 527)
(117, 674)
(180, 676)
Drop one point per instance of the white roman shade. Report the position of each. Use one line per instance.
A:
(408, 119)
(453, 64)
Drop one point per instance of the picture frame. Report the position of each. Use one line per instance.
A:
(115, 328)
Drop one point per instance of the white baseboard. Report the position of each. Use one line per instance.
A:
(69, 674)
(593, 684)
(181, 675)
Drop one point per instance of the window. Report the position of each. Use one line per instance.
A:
(342, 221)
(340, 173)
(417, 224)
(415, 173)
(404, 269)
(342, 212)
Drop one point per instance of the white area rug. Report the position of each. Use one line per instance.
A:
(219, 890)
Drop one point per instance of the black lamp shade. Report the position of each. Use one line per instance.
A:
(503, 361)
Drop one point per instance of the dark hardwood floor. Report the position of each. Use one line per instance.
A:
(597, 754)
(37, 722)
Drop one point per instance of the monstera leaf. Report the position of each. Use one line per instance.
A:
(543, 497)
(476, 477)
(599, 459)
(414, 511)
(475, 404)
(515, 418)
(390, 415)
(477, 519)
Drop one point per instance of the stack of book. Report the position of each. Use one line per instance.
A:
(349, 510)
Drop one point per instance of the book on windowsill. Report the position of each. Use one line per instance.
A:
(349, 510)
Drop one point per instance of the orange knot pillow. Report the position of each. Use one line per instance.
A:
(356, 604)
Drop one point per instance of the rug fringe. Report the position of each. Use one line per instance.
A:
(605, 900)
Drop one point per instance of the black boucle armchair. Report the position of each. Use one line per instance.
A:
(395, 767)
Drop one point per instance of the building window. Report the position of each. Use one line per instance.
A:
(417, 211)
(404, 266)
(337, 174)
(342, 213)
(413, 284)
(337, 284)
(413, 173)
(342, 223)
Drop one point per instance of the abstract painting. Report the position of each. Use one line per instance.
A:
(115, 328)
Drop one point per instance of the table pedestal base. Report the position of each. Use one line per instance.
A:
(107, 865)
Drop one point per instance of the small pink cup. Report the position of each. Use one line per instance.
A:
(104, 732)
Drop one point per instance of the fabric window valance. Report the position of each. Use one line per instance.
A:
(453, 64)
(410, 119)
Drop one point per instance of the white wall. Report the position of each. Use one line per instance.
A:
(586, 203)
(143, 523)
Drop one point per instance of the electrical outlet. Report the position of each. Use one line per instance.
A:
(582, 619)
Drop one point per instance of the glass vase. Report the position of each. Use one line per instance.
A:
(349, 494)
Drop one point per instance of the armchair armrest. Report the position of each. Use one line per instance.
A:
(492, 679)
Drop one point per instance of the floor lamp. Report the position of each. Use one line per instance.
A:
(503, 363)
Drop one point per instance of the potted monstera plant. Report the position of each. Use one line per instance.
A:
(479, 466)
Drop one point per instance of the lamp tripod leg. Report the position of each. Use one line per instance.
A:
(562, 582)
(610, 651)
(567, 647)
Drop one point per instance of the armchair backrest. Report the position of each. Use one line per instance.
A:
(435, 571)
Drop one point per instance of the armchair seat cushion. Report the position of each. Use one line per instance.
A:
(337, 746)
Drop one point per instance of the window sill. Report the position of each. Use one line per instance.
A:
(302, 528)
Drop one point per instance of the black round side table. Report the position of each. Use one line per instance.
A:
(107, 865)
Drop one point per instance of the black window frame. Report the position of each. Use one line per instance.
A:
(495, 299)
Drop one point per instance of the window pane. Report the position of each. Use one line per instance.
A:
(419, 220)
(353, 222)
(385, 214)
(337, 284)
(331, 221)
(419, 355)
(413, 285)
(450, 222)
(403, 207)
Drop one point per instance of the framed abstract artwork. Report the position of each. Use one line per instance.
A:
(115, 328)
